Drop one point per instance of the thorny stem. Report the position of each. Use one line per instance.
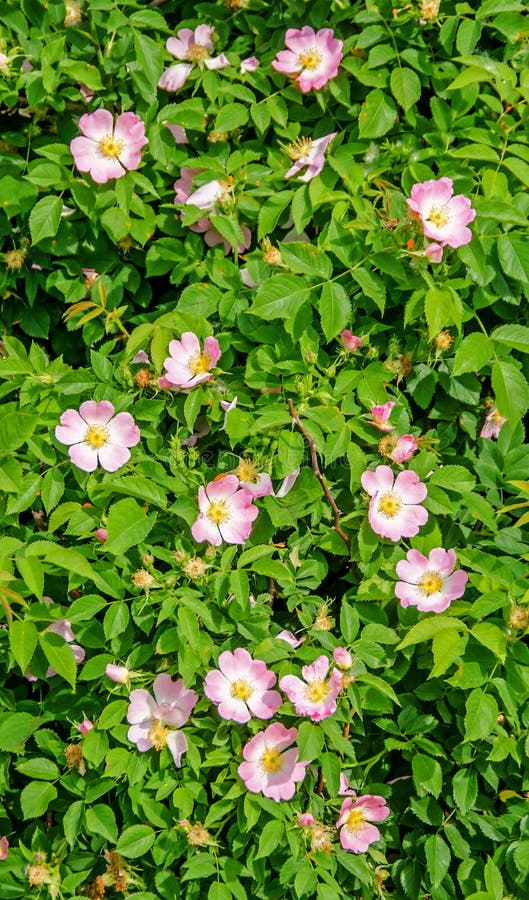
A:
(319, 476)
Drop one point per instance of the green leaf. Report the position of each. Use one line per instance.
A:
(465, 789)
(425, 629)
(437, 858)
(16, 195)
(511, 391)
(39, 767)
(335, 309)
(427, 775)
(44, 218)
(116, 223)
(150, 57)
(330, 769)
(447, 646)
(453, 478)
(405, 87)
(271, 836)
(127, 526)
(15, 429)
(35, 799)
(100, 820)
(15, 728)
(513, 252)
(377, 115)
(378, 684)
(493, 879)
(33, 574)
(52, 489)
(481, 714)
(310, 741)
(372, 286)
(492, 637)
(219, 891)
(59, 655)
(514, 336)
(82, 72)
(72, 821)
(280, 297)
(442, 307)
(23, 640)
(135, 841)
(231, 116)
(306, 259)
(474, 352)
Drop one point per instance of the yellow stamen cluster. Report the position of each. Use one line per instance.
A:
(199, 364)
(142, 578)
(310, 59)
(443, 340)
(198, 836)
(197, 52)
(271, 254)
(355, 820)
(299, 148)
(389, 505)
(110, 147)
(247, 471)
(14, 259)
(73, 13)
(158, 735)
(97, 436)
(429, 9)
(195, 567)
(271, 760)
(241, 689)
(218, 512)
(218, 137)
(430, 583)
(321, 838)
(317, 691)
(439, 216)
(386, 445)
(74, 758)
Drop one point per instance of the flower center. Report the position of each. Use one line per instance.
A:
(96, 436)
(199, 364)
(317, 691)
(196, 52)
(355, 819)
(218, 512)
(158, 735)
(389, 505)
(241, 689)
(271, 760)
(110, 147)
(299, 148)
(247, 471)
(440, 216)
(310, 59)
(430, 583)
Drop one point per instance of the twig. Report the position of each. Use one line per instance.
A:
(319, 476)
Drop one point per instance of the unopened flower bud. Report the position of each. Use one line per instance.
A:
(101, 534)
(342, 658)
(519, 617)
(119, 674)
(85, 726)
(306, 820)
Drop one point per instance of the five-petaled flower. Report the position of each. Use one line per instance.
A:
(259, 484)
(356, 831)
(493, 424)
(106, 149)
(350, 341)
(226, 512)
(394, 509)
(149, 717)
(380, 415)
(269, 768)
(192, 47)
(187, 365)
(312, 58)
(404, 448)
(241, 687)
(316, 695)
(95, 436)
(308, 152)
(429, 583)
(444, 218)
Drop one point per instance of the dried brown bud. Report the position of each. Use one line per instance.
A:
(386, 445)
(519, 617)
(142, 378)
(74, 758)
(142, 578)
(271, 254)
(14, 259)
(443, 340)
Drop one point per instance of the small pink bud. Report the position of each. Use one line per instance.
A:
(4, 847)
(102, 535)
(404, 449)
(342, 658)
(119, 674)
(306, 820)
(85, 726)
(350, 341)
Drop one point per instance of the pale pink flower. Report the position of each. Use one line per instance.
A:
(118, 674)
(63, 628)
(310, 153)
(184, 190)
(312, 58)
(187, 365)
(316, 696)
(434, 252)
(290, 638)
(380, 415)
(150, 717)
(444, 217)
(227, 406)
(5, 60)
(249, 65)
(141, 357)
(269, 768)
(101, 534)
(342, 658)
(107, 149)
(179, 133)
(191, 47)
(96, 437)
(85, 726)
(226, 512)
(350, 341)
(306, 820)
(288, 483)
(355, 817)
(247, 279)
(404, 448)
(208, 196)
(258, 484)
(241, 687)
(4, 847)
(394, 510)
(344, 790)
(493, 424)
(429, 583)
(86, 93)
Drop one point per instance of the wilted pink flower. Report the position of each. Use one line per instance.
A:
(208, 196)
(288, 483)
(429, 583)
(108, 150)
(241, 687)
(119, 674)
(250, 64)
(63, 628)
(394, 510)
(86, 93)
(434, 252)
(150, 717)
(380, 415)
(344, 790)
(316, 696)
(101, 534)
(444, 217)
(312, 58)
(179, 133)
(191, 47)
(342, 658)
(4, 847)
(310, 153)
(306, 820)
(184, 190)
(141, 357)
(258, 484)
(290, 638)
(404, 448)
(226, 512)
(188, 365)
(355, 817)
(85, 726)
(227, 406)
(269, 768)
(493, 424)
(96, 437)
(350, 341)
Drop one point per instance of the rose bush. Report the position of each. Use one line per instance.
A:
(264, 611)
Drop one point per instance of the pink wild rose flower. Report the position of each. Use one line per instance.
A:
(149, 717)
(380, 415)
(429, 583)
(96, 437)
(289, 638)
(356, 831)
(191, 47)
(394, 509)
(259, 484)
(316, 695)
(241, 687)
(350, 341)
(187, 365)
(250, 64)
(4, 847)
(269, 768)
(404, 448)
(226, 512)
(493, 424)
(107, 149)
(310, 153)
(85, 726)
(184, 189)
(342, 658)
(312, 58)
(444, 217)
